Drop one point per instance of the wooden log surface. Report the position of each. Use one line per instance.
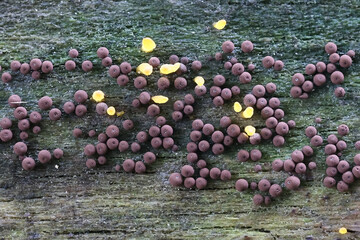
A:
(73, 202)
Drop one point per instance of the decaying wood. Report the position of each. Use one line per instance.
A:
(73, 202)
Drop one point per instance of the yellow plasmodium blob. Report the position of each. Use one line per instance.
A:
(169, 68)
(237, 107)
(145, 69)
(98, 96)
(250, 130)
(248, 112)
(148, 45)
(119, 114)
(219, 25)
(111, 111)
(342, 230)
(199, 81)
(160, 99)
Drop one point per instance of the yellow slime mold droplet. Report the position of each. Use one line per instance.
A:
(250, 130)
(199, 81)
(342, 230)
(237, 107)
(148, 45)
(119, 114)
(169, 68)
(220, 24)
(165, 69)
(248, 112)
(145, 69)
(111, 111)
(160, 99)
(98, 96)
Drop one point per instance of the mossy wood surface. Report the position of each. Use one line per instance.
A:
(75, 202)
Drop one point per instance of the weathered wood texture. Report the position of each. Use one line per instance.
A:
(77, 203)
